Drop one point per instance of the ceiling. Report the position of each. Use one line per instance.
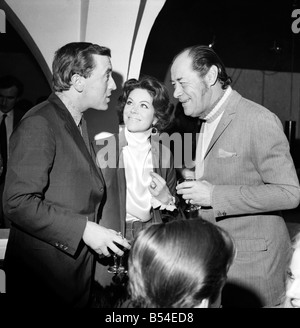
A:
(251, 34)
(246, 34)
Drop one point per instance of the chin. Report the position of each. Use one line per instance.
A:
(102, 107)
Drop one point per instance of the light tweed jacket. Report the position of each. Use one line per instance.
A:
(249, 162)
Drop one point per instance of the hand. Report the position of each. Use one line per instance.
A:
(100, 238)
(196, 192)
(158, 188)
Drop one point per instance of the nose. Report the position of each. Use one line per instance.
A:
(133, 109)
(112, 85)
(177, 91)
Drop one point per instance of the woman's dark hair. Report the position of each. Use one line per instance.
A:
(179, 264)
(203, 57)
(159, 93)
(74, 58)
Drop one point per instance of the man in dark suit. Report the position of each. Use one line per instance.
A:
(11, 90)
(54, 189)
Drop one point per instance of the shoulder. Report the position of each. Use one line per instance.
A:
(253, 112)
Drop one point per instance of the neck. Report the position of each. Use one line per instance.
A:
(217, 96)
(72, 107)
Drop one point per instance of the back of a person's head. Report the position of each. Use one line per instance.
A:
(179, 264)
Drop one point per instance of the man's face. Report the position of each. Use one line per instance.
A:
(98, 87)
(189, 88)
(8, 98)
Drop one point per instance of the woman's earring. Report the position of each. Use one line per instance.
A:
(154, 130)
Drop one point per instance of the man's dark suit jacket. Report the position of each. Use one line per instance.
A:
(18, 114)
(52, 188)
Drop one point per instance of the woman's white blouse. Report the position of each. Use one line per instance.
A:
(138, 164)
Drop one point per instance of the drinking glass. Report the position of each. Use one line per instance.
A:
(117, 266)
(188, 174)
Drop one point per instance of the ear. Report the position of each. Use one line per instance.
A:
(212, 75)
(77, 82)
(204, 304)
(155, 119)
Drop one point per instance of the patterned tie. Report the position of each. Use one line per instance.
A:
(3, 145)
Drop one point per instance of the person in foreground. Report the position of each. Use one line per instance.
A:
(54, 189)
(291, 298)
(245, 175)
(141, 174)
(179, 264)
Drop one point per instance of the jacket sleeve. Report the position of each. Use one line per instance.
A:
(278, 188)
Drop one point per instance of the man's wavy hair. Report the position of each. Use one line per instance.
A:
(159, 93)
(178, 264)
(203, 57)
(74, 58)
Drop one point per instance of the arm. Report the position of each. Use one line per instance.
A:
(279, 186)
(34, 199)
(272, 180)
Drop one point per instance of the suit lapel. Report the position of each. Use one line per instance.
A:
(75, 134)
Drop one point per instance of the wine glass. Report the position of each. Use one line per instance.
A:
(117, 266)
(188, 174)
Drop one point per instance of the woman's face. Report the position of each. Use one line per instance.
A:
(293, 282)
(139, 112)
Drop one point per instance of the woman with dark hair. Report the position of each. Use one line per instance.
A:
(146, 175)
(179, 264)
(137, 168)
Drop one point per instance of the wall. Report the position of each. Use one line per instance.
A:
(121, 25)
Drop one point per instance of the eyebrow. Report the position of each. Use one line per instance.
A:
(179, 79)
(140, 101)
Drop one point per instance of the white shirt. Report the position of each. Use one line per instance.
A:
(207, 131)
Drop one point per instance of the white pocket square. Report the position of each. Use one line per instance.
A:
(102, 135)
(225, 154)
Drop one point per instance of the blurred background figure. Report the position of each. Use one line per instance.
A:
(179, 264)
(11, 113)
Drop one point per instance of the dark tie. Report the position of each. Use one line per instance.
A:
(3, 144)
(83, 130)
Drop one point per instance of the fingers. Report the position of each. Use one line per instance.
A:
(157, 179)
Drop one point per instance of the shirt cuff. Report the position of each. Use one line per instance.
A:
(170, 206)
